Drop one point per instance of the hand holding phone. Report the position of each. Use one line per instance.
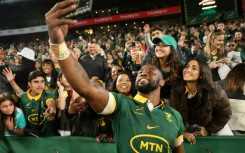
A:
(83, 6)
(48, 112)
(202, 132)
(78, 105)
(215, 64)
(194, 128)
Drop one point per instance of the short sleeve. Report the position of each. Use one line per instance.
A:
(20, 119)
(49, 96)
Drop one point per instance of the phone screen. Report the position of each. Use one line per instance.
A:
(84, 6)
(194, 128)
(133, 44)
(11, 46)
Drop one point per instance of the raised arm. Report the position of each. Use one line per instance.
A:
(10, 77)
(61, 100)
(148, 40)
(72, 69)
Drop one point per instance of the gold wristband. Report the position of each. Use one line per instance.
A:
(60, 51)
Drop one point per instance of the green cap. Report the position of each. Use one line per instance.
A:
(166, 39)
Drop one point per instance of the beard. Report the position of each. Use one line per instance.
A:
(151, 86)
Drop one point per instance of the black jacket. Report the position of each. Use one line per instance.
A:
(21, 72)
(97, 67)
(213, 117)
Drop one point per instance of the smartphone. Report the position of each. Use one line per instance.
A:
(84, 6)
(48, 112)
(133, 44)
(194, 128)
(11, 46)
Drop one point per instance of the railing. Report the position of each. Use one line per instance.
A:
(214, 144)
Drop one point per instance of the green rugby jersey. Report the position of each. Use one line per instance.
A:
(30, 105)
(137, 129)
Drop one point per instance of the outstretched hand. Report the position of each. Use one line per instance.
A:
(146, 28)
(78, 105)
(50, 113)
(9, 74)
(57, 25)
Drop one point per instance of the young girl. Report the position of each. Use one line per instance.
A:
(12, 120)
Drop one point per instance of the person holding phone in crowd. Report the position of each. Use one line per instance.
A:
(151, 121)
(214, 53)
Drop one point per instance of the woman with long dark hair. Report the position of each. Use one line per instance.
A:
(165, 59)
(124, 84)
(12, 120)
(203, 104)
(48, 68)
(111, 76)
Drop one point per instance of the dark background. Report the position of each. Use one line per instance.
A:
(193, 8)
(25, 13)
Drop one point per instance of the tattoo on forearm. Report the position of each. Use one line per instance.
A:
(78, 70)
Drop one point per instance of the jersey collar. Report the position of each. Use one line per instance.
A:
(143, 100)
(140, 98)
(33, 97)
(189, 94)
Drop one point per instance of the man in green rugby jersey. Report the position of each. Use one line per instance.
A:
(140, 124)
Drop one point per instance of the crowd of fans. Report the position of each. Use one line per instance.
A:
(203, 70)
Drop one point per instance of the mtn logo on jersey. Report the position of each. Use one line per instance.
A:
(149, 143)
